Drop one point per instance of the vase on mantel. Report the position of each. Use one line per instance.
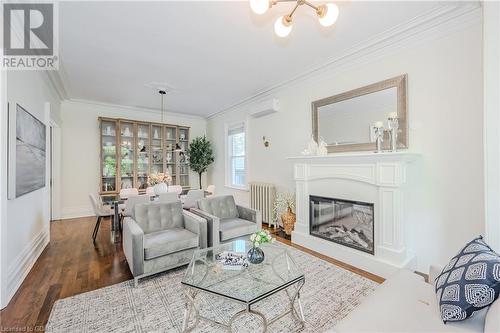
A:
(288, 219)
(160, 188)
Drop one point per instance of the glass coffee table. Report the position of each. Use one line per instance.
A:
(248, 286)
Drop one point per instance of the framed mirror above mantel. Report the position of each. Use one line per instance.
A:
(346, 121)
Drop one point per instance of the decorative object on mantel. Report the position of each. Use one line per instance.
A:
(200, 155)
(312, 148)
(159, 182)
(322, 149)
(284, 207)
(379, 135)
(256, 255)
(393, 128)
(327, 13)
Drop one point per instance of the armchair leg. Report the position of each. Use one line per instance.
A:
(96, 228)
(136, 282)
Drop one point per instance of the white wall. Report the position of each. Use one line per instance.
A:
(445, 114)
(25, 220)
(491, 31)
(80, 149)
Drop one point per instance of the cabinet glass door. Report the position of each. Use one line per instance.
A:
(183, 161)
(126, 155)
(156, 149)
(142, 156)
(108, 157)
(170, 158)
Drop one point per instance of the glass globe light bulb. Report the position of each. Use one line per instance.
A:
(283, 26)
(259, 6)
(329, 15)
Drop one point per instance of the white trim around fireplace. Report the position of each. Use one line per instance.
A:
(368, 177)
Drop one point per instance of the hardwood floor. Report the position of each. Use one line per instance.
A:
(71, 264)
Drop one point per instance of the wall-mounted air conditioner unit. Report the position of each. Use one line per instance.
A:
(264, 108)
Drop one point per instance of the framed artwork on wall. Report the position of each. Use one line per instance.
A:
(27, 152)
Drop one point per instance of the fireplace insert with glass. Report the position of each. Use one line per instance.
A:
(349, 223)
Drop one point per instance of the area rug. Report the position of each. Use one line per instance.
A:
(157, 304)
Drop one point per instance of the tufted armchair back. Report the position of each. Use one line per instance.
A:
(153, 217)
(223, 207)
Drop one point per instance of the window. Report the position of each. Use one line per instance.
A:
(236, 160)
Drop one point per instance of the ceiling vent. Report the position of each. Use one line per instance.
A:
(264, 108)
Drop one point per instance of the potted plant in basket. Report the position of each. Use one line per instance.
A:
(283, 208)
(256, 255)
(159, 182)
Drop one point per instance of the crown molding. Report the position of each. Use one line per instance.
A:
(431, 25)
(134, 108)
(54, 80)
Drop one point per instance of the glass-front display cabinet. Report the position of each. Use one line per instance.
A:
(108, 156)
(142, 161)
(144, 149)
(183, 161)
(157, 149)
(126, 156)
(170, 157)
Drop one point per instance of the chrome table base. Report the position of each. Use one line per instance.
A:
(294, 297)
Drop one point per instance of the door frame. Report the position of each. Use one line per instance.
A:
(55, 170)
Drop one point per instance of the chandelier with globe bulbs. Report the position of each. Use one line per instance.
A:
(327, 14)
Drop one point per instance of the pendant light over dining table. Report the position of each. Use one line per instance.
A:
(327, 14)
(162, 93)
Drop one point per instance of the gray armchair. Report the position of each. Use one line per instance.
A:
(227, 221)
(161, 236)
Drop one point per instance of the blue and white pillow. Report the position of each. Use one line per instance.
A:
(470, 281)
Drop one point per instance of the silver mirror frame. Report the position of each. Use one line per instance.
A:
(399, 82)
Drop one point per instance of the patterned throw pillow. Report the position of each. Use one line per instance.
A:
(470, 281)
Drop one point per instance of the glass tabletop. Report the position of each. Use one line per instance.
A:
(252, 283)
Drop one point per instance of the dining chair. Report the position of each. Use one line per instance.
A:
(100, 211)
(150, 191)
(127, 192)
(175, 188)
(168, 197)
(189, 200)
(211, 190)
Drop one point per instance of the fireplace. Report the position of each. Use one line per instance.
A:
(345, 222)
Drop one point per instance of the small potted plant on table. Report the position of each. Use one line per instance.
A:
(256, 255)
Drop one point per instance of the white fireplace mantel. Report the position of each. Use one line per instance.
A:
(378, 178)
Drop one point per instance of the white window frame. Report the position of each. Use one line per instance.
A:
(227, 156)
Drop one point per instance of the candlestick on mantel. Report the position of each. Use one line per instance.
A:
(393, 128)
(379, 135)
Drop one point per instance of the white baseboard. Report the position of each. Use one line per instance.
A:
(73, 212)
(21, 266)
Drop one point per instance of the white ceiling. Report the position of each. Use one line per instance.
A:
(213, 54)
